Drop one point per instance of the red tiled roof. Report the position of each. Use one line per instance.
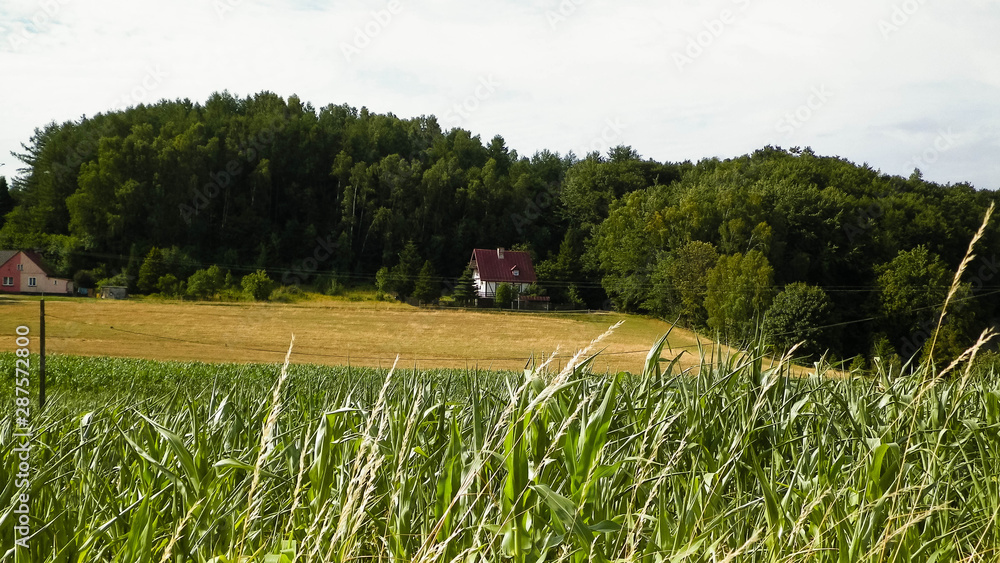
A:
(493, 269)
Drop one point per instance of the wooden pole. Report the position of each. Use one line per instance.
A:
(41, 353)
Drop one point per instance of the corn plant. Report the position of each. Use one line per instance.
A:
(735, 460)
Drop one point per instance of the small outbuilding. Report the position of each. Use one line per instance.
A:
(114, 292)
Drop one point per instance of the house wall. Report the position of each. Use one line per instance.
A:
(43, 283)
(489, 289)
(9, 270)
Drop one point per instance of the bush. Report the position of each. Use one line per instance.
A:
(504, 295)
(204, 284)
(87, 278)
(334, 288)
(286, 294)
(258, 285)
(119, 280)
(170, 286)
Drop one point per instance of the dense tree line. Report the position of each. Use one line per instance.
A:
(801, 246)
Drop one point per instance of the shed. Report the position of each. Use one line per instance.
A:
(114, 292)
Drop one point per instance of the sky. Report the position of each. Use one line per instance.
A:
(896, 84)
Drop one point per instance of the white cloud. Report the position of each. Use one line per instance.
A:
(562, 70)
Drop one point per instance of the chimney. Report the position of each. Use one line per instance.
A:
(500, 253)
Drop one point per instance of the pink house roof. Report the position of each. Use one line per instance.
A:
(492, 268)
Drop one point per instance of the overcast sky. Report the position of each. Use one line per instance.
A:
(897, 84)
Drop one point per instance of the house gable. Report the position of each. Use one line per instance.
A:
(490, 268)
(26, 272)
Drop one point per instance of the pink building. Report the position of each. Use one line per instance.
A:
(25, 272)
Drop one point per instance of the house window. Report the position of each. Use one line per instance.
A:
(8, 281)
(32, 282)
(20, 267)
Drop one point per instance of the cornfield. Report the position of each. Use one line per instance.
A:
(737, 460)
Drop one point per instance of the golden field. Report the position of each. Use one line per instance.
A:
(335, 332)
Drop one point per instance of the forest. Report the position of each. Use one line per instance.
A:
(780, 243)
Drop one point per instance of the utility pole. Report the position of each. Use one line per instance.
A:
(41, 353)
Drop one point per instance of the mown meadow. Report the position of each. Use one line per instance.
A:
(733, 460)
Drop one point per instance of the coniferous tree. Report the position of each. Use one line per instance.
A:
(465, 291)
(6, 200)
(404, 275)
(426, 288)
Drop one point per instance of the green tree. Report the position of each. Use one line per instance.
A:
(383, 282)
(679, 283)
(465, 291)
(170, 286)
(798, 314)
(204, 284)
(426, 289)
(738, 292)
(6, 200)
(504, 295)
(404, 274)
(258, 285)
(152, 269)
(86, 278)
(912, 288)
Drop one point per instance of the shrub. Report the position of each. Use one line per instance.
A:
(258, 285)
(334, 288)
(170, 286)
(504, 295)
(286, 294)
(204, 284)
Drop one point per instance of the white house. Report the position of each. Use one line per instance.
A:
(490, 268)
